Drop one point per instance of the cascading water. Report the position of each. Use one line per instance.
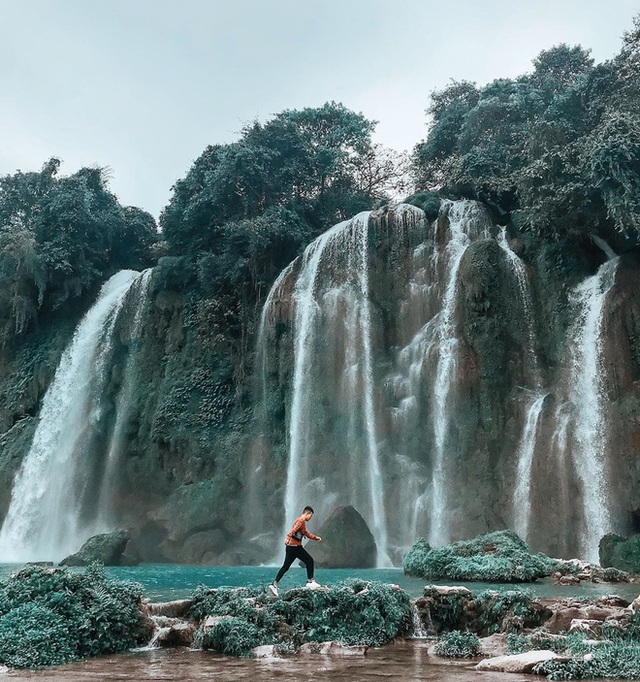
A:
(524, 292)
(463, 217)
(526, 449)
(588, 432)
(104, 515)
(375, 343)
(45, 520)
(326, 303)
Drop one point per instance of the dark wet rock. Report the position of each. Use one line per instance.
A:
(178, 608)
(180, 633)
(619, 552)
(107, 548)
(347, 541)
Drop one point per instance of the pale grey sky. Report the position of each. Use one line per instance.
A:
(142, 86)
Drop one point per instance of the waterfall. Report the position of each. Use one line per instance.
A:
(463, 217)
(526, 449)
(524, 293)
(44, 520)
(104, 516)
(589, 437)
(331, 297)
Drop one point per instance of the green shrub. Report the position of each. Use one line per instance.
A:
(33, 636)
(615, 660)
(508, 611)
(457, 644)
(232, 636)
(446, 610)
(500, 556)
(53, 616)
(354, 612)
(572, 644)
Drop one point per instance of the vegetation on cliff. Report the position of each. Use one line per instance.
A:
(53, 616)
(61, 237)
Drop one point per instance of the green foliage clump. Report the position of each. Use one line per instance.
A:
(429, 202)
(613, 660)
(232, 636)
(457, 644)
(446, 610)
(556, 150)
(59, 238)
(500, 556)
(353, 613)
(508, 611)
(54, 616)
(562, 644)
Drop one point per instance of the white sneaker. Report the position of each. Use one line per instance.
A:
(274, 590)
(313, 585)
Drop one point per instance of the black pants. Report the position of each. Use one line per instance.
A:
(293, 552)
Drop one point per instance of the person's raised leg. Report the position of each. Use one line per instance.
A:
(289, 558)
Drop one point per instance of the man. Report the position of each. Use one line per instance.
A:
(294, 550)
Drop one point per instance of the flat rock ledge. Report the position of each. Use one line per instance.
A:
(518, 663)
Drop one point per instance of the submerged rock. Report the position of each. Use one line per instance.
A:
(107, 548)
(347, 541)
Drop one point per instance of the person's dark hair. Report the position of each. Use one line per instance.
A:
(308, 509)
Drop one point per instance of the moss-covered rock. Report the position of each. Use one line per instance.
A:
(54, 616)
(106, 548)
(447, 609)
(616, 551)
(500, 556)
(355, 612)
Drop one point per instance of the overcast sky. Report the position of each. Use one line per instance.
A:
(142, 86)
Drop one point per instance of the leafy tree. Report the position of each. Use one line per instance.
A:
(60, 237)
(557, 149)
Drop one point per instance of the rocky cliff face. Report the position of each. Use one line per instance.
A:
(432, 376)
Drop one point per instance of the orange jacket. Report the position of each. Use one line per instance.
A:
(298, 530)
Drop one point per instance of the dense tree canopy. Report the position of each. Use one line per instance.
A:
(557, 149)
(60, 237)
(319, 163)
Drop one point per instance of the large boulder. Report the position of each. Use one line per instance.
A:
(619, 552)
(347, 541)
(107, 548)
(500, 556)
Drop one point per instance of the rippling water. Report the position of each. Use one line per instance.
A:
(404, 661)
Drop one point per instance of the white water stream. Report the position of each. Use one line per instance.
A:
(44, 519)
(589, 434)
(526, 449)
(318, 305)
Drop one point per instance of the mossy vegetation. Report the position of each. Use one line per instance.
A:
(616, 655)
(354, 612)
(50, 616)
(447, 610)
(457, 644)
(500, 556)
